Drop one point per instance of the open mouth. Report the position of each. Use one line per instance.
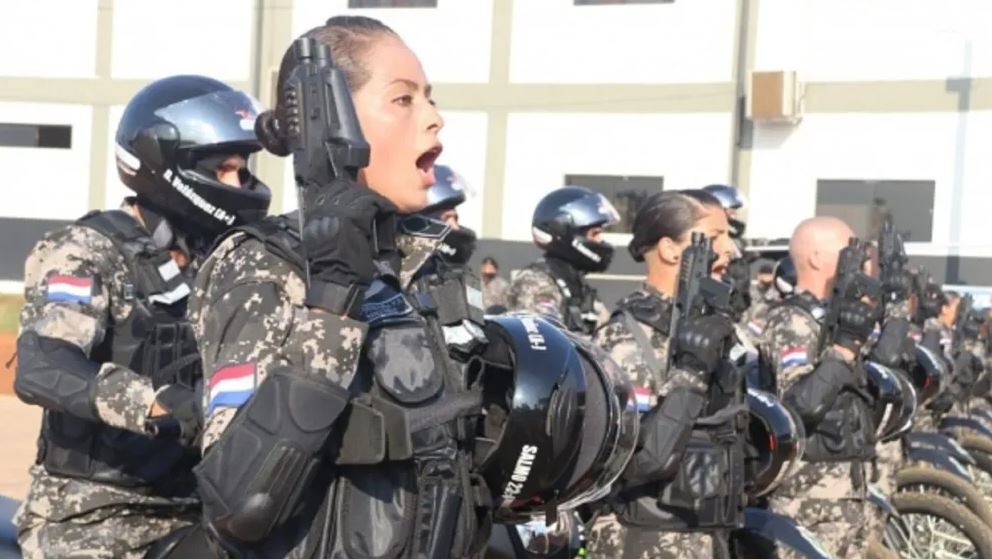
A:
(425, 164)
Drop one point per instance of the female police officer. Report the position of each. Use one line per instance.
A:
(342, 404)
(638, 337)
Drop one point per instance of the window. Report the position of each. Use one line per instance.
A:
(35, 135)
(864, 204)
(602, 2)
(626, 193)
(392, 3)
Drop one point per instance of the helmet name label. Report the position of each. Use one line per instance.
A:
(537, 341)
(217, 213)
(521, 472)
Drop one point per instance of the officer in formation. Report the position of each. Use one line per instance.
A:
(348, 366)
(568, 227)
(338, 377)
(105, 347)
(638, 336)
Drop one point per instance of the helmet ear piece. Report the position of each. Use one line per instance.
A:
(270, 135)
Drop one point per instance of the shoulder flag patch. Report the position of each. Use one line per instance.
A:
(231, 386)
(69, 289)
(641, 401)
(756, 327)
(794, 356)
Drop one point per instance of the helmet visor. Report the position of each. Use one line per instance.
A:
(214, 119)
(591, 211)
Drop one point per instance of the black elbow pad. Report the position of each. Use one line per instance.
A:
(812, 395)
(56, 375)
(664, 435)
(252, 479)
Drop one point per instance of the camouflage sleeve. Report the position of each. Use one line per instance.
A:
(535, 291)
(71, 280)
(620, 343)
(897, 310)
(249, 319)
(791, 344)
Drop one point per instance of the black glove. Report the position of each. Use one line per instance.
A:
(184, 420)
(702, 343)
(897, 285)
(344, 228)
(855, 323)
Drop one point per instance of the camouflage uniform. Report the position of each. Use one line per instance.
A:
(77, 517)
(249, 316)
(823, 497)
(762, 301)
(534, 289)
(494, 292)
(607, 537)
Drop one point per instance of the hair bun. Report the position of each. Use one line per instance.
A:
(268, 133)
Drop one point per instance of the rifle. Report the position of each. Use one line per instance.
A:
(698, 293)
(319, 126)
(851, 284)
(891, 250)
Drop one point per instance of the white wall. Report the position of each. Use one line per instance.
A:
(787, 161)
(115, 189)
(847, 40)
(48, 38)
(555, 41)
(452, 40)
(157, 39)
(46, 183)
(688, 150)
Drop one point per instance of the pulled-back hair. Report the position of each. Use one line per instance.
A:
(349, 39)
(670, 215)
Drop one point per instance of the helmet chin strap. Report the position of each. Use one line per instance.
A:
(161, 231)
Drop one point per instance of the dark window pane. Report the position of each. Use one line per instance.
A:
(626, 193)
(864, 204)
(392, 3)
(35, 135)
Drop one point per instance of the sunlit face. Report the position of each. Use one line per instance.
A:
(400, 123)
(229, 170)
(450, 217)
(714, 225)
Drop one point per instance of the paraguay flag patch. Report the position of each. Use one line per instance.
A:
(70, 289)
(231, 386)
(794, 356)
(641, 401)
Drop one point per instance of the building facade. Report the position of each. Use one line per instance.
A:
(628, 97)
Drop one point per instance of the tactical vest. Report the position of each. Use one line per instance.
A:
(847, 431)
(156, 341)
(708, 491)
(404, 451)
(579, 314)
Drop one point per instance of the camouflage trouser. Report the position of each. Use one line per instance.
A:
(74, 518)
(843, 526)
(608, 539)
(888, 460)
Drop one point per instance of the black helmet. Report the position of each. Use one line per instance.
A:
(779, 437)
(448, 191)
(928, 372)
(731, 199)
(560, 427)
(887, 391)
(902, 423)
(561, 220)
(168, 130)
(786, 276)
